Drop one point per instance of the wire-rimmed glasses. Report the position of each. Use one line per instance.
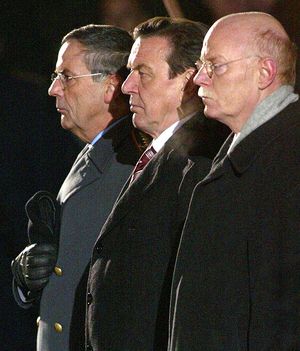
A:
(65, 78)
(217, 68)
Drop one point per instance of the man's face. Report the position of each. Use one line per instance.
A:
(154, 97)
(231, 93)
(80, 101)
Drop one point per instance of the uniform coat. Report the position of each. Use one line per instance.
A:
(128, 278)
(86, 197)
(237, 275)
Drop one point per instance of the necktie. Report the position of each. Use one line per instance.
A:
(144, 159)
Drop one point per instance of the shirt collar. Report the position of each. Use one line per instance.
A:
(104, 131)
(160, 141)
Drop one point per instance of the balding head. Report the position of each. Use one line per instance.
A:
(251, 22)
(245, 58)
(258, 33)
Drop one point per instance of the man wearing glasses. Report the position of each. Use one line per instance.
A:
(90, 69)
(236, 281)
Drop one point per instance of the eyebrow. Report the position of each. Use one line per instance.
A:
(66, 71)
(140, 66)
(213, 58)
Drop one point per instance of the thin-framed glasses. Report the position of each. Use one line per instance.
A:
(217, 68)
(65, 79)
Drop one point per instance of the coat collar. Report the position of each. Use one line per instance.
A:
(246, 152)
(132, 194)
(93, 160)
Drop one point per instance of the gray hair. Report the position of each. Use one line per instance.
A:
(107, 48)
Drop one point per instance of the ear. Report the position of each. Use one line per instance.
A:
(189, 88)
(112, 88)
(267, 73)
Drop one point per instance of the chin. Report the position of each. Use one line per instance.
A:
(65, 124)
(210, 113)
(134, 120)
(137, 120)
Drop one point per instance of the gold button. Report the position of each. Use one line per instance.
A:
(38, 320)
(58, 271)
(58, 327)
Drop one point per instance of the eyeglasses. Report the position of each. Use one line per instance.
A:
(65, 79)
(217, 68)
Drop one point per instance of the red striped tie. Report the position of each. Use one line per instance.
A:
(144, 159)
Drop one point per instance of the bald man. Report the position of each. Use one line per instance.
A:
(236, 284)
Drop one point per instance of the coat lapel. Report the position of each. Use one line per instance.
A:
(93, 160)
(247, 151)
(88, 167)
(136, 191)
(217, 168)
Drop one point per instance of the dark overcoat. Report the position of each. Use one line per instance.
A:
(237, 275)
(129, 281)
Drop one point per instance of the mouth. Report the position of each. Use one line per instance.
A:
(203, 97)
(61, 110)
(135, 108)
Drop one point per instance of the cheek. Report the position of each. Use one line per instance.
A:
(79, 110)
(71, 102)
(232, 94)
(155, 108)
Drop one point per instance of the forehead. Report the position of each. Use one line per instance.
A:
(149, 51)
(70, 55)
(224, 42)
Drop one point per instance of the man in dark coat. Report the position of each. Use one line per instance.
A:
(129, 280)
(236, 281)
(87, 86)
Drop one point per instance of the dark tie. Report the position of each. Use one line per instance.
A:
(144, 159)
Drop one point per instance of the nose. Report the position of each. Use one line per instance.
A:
(56, 88)
(130, 85)
(201, 78)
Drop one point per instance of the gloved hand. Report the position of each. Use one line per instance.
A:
(43, 214)
(34, 265)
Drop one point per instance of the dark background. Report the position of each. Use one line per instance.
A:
(32, 30)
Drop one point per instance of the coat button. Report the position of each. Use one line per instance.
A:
(58, 327)
(89, 299)
(132, 229)
(99, 247)
(38, 320)
(58, 271)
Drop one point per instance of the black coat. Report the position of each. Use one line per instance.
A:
(129, 281)
(237, 275)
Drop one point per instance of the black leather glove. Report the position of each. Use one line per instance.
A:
(34, 265)
(43, 214)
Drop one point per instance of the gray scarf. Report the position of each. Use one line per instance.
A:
(266, 110)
